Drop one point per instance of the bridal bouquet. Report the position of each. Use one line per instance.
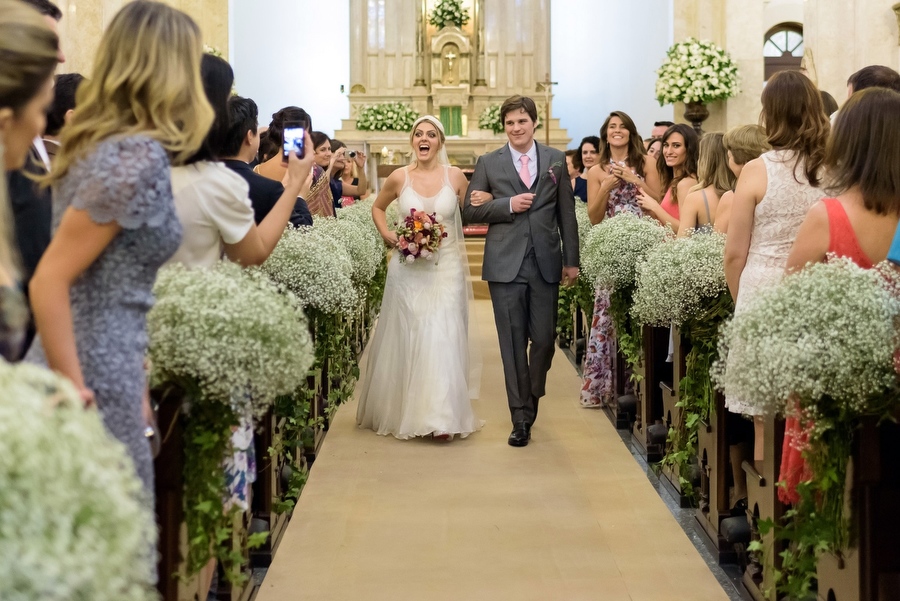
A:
(420, 236)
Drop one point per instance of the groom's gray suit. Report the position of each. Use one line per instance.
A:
(523, 265)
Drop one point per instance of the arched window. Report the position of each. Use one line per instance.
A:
(783, 48)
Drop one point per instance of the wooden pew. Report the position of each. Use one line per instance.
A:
(871, 570)
(649, 431)
(714, 505)
(673, 416)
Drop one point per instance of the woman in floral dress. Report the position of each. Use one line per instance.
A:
(624, 170)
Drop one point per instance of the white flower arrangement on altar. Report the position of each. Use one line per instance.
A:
(490, 119)
(367, 250)
(393, 116)
(680, 280)
(614, 248)
(317, 268)
(696, 71)
(226, 330)
(810, 337)
(449, 11)
(75, 522)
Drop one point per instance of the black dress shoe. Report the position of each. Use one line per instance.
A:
(528, 430)
(519, 436)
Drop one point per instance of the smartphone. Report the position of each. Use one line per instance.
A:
(294, 135)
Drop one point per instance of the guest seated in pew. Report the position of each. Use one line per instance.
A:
(29, 48)
(743, 144)
(240, 145)
(773, 195)
(715, 179)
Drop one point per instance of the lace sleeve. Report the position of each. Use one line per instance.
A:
(125, 180)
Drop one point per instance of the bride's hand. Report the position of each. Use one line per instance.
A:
(479, 198)
(391, 239)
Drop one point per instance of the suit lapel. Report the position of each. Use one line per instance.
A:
(507, 163)
(543, 159)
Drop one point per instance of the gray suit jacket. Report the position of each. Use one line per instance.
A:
(551, 216)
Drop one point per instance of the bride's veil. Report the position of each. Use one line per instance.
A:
(475, 361)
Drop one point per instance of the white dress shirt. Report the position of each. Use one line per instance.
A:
(532, 164)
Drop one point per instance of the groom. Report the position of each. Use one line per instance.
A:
(533, 207)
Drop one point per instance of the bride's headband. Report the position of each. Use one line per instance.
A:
(431, 119)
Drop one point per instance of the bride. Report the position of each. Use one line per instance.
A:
(421, 372)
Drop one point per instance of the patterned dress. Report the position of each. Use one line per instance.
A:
(599, 358)
(124, 180)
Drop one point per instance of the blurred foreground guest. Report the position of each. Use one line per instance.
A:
(29, 50)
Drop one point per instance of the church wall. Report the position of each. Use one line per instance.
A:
(843, 37)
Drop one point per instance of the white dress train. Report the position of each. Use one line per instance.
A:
(421, 376)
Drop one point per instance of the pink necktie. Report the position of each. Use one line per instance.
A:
(523, 171)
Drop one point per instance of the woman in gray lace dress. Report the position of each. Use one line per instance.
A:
(115, 221)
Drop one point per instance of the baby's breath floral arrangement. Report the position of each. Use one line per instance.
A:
(581, 295)
(75, 522)
(682, 283)
(490, 119)
(449, 11)
(366, 251)
(317, 268)
(824, 338)
(680, 279)
(393, 116)
(361, 214)
(696, 71)
(223, 330)
(610, 256)
(614, 248)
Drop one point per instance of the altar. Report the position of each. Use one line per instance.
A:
(460, 72)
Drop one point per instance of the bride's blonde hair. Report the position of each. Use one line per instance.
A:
(146, 81)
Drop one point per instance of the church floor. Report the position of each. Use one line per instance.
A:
(571, 516)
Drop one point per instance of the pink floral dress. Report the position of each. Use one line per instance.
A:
(599, 358)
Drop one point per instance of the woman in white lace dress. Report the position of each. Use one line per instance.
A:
(421, 373)
(773, 194)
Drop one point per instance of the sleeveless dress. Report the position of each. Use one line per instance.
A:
(599, 357)
(418, 380)
(669, 205)
(842, 242)
(777, 219)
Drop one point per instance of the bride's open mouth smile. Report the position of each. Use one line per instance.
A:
(424, 149)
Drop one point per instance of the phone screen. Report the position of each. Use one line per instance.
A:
(293, 140)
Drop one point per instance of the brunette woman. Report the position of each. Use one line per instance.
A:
(624, 170)
(772, 197)
(677, 167)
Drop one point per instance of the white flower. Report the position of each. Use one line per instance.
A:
(228, 330)
(75, 521)
(614, 248)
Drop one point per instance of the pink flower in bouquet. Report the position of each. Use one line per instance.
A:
(420, 236)
(402, 243)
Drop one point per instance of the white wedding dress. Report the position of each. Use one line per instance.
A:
(421, 375)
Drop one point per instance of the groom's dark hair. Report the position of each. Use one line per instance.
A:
(515, 103)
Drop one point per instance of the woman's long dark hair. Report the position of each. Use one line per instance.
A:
(636, 151)
(218, 78)
(667, 177)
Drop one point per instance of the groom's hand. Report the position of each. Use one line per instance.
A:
(569, 276)
(521, 202)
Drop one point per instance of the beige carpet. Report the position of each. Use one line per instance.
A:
(569, 517)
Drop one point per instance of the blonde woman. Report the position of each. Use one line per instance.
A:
(29, 49)
(142, 107)
(742, 144)
(420, 376)
(699, 207)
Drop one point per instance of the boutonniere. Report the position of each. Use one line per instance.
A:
(552, 174)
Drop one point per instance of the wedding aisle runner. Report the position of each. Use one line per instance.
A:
(569, 517)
